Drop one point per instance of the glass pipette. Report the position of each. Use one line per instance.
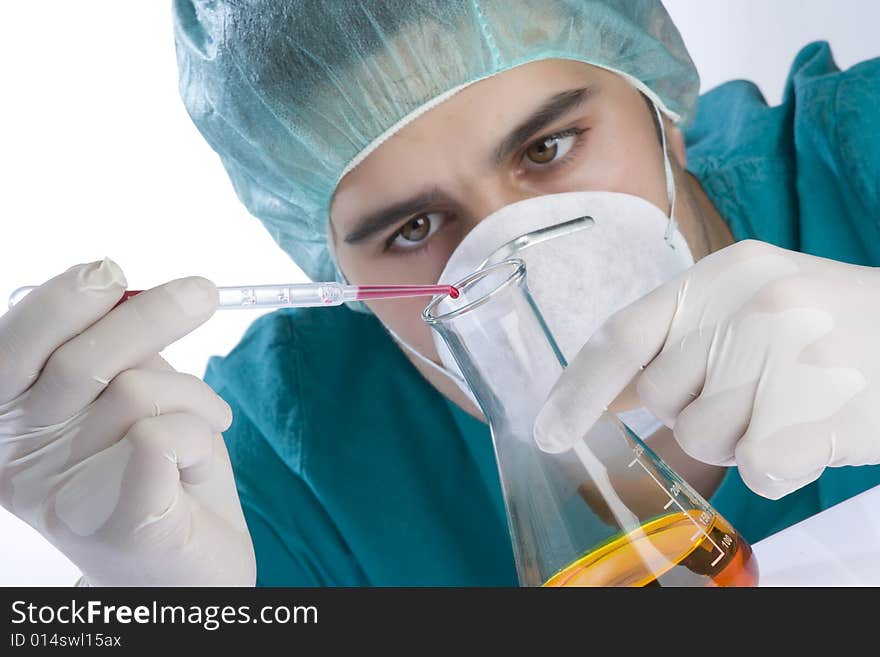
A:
(297, 295)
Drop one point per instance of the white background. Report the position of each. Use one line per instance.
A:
(98, 157)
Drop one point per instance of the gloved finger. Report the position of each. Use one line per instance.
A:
(739, 358)
(149, 393)
(709, 428)
(775, 465)
(218, 492)
(145, 324)
(49, 316)
(850, 429)
(134, 481)
(604, 366)
(168, 450)
(676, 376)
(147, 505)
(137, 394)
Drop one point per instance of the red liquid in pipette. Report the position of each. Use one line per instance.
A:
(366, 292)
(128, 294)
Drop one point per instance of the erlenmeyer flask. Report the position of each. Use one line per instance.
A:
(606, 512)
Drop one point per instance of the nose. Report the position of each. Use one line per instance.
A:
(487, 199)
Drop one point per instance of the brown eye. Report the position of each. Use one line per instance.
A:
(416, 229)
(550, 151)
(417, 232)
(543, 152)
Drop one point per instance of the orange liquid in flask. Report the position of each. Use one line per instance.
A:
(683, 551)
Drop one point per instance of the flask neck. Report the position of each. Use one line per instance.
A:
(504, 350)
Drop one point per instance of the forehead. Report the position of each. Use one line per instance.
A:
(510, 94)
(470, 123)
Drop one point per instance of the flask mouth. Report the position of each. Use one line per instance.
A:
(475, 290)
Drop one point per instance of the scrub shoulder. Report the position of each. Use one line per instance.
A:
(803, 174)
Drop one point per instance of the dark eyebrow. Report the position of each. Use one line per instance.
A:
(556, 107)
(378, 221)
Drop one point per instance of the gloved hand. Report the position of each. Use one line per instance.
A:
(107, 451)
(757, 356)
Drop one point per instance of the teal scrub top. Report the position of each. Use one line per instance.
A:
(353, 470)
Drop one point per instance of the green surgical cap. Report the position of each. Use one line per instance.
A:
(293, 93)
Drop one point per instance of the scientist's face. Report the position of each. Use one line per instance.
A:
(543, 128)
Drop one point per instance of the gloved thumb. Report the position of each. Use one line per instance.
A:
(603, 368)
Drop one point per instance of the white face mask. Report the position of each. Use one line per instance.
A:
(587, 255)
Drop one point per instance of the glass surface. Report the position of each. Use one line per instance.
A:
(606, 512)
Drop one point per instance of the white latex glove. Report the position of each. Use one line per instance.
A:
(107, 451)
(758, 357)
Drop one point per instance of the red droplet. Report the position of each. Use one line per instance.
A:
(128, 294)
(453, 292)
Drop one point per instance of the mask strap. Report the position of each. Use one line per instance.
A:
(340, 275)
(427, 361)
(670, 181)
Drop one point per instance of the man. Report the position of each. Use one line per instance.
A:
(371, 138)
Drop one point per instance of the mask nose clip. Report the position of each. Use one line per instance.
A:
(518, 244)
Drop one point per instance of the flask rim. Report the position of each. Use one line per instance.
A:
(518, 272)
